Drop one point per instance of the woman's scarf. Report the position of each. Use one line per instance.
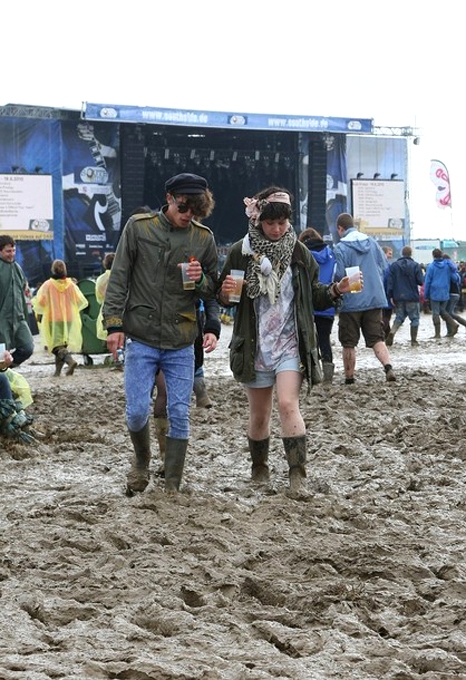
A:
(268, 261)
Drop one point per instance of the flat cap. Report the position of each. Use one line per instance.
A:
(186, 183)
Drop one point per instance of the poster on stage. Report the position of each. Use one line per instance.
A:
(26, 206)
(379, 206)
(91, 192)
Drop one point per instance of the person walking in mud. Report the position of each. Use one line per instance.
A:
(403, 283)
(58, 303)
(439, 275)
(388, 310)
(323, 255)
(147, 304)
(101, 284)
(455, 294)
(361, 312)
(14, 327)
(274, 342)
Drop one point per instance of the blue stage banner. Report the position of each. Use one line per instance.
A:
(216, 119)
(91, 192)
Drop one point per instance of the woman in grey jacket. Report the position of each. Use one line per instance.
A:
(274, 339)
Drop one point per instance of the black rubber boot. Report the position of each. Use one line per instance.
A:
(138, 475)
(459, 319)
(60, 353)
(72, 363)
(452, 325)
(391, 335)
(328, 369)
(259, 450)
(175, 455)
(202, 398)
(414, 331)
(295, 449)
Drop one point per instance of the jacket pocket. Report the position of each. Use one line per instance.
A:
(186, 326)
(236, 355)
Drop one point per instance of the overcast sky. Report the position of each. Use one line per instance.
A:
(401, 66)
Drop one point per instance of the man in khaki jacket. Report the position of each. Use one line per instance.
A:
(149, 312)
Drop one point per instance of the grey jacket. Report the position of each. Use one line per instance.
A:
(145, 297)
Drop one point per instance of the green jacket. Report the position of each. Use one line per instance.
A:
(309, 295)
(145, 297)
(13, 307)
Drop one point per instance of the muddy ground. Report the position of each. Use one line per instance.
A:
(366, 579)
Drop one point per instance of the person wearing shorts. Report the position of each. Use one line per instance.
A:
(274, 344)
(354, 324)
(361, 313)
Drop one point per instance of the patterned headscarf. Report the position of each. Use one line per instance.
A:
(255, 206)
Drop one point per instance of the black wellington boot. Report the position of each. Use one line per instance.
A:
(138, 476)
(259, 450)
(295, 449)
(175, 454)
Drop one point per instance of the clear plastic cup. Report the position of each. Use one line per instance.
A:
(238, 275)
(188, 284)
(354, 274)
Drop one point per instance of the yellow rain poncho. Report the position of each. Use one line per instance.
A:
(59, 302)
(20, 387)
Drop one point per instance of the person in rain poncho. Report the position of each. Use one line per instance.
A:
(58, 303)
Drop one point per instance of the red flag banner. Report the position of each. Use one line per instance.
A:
(440, 177)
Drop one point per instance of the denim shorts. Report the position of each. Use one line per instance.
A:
(267, 378)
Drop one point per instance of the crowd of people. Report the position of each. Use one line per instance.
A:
(294, 288)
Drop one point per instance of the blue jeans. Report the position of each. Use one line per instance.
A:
(141, 365)
(439, 308)
(410, 310)
(452, 302)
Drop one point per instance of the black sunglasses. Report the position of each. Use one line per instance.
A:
(182, 207)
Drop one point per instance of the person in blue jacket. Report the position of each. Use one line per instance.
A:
(439, 275)
(455, 294)
(361, 312)
(325, 258)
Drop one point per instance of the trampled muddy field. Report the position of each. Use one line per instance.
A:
(365, 579)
